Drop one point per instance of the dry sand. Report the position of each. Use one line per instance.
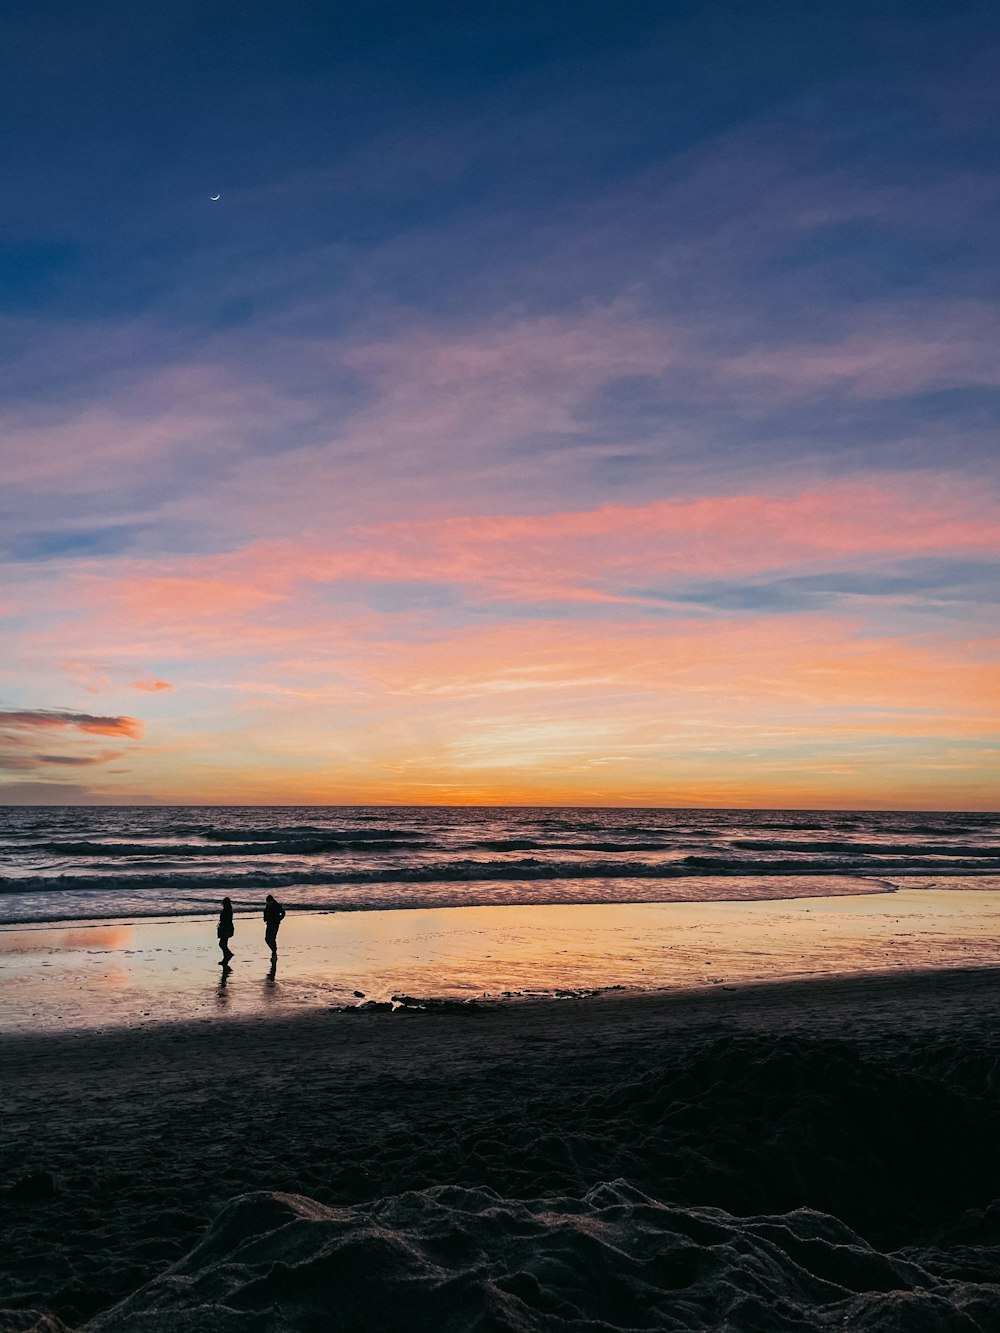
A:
(614, 1162)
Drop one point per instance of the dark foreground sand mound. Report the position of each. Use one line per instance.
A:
(454, 1260)
(455, 1162)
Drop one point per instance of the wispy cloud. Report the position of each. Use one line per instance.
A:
(78, 760)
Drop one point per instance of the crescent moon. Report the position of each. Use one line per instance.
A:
(215, 196)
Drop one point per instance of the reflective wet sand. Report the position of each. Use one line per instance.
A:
(114, 974)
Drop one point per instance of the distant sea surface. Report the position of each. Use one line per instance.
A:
(84, 863)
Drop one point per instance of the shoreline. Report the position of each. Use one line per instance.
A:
(505, 890)
(477, 893)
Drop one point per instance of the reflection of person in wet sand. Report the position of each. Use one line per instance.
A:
(225, 930)
(274, 914)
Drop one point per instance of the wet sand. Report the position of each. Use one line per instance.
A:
(614, 1161)
(142, 973)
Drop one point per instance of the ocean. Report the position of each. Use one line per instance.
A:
(89, 863)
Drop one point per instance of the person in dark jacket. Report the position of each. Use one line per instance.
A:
(274, 914)
(225, 930)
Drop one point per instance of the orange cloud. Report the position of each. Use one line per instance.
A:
(733, 665)
(49, 718)
(98, 678)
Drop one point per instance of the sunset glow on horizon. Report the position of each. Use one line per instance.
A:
(488, 411)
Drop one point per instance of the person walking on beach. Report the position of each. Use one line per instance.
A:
(225, 930)
(274, 914)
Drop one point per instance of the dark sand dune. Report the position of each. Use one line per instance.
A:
(450, 1259)
(785, 1156)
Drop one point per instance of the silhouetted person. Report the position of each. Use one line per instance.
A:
(225, 930)
(274, 914)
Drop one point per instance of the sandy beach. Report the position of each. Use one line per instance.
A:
(609, 1162)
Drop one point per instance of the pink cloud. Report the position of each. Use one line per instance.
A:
(609, 341)
(929, 349)
(591, 555)
(704, 537)
(194, 595)
(270, 596)
(181, 407)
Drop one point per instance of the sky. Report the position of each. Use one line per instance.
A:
(559, 403)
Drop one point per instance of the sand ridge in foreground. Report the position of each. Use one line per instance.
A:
(407, 1153)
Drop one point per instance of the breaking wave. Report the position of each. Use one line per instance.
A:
(83, 862)
(692, 867)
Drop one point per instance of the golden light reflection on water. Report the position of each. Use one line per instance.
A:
(97, 937)
(76, 937)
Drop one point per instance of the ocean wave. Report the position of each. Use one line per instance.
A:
(166, 851)
(864, 848)
(533, 844)
(297, 832)
(462, 871)
(339, 842)
(801, 826)
(885, 864)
